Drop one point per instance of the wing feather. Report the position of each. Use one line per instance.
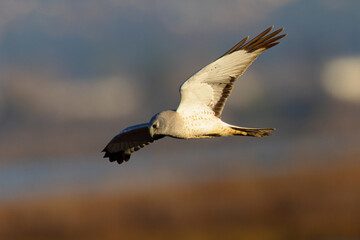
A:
(127, 141)
(210, 87)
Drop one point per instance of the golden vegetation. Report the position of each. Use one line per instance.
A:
(302, 203)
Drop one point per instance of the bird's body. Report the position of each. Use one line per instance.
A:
(201, 124)
(203, 97)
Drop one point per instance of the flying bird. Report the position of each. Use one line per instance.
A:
(203, 97)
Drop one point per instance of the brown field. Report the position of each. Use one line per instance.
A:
(310, 202)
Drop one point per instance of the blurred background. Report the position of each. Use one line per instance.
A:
(74, 73)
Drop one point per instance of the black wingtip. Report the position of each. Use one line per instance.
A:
(119, 157)
(266, 40)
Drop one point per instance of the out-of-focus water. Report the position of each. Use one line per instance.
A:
(189, 162)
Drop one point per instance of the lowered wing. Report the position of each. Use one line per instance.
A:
(127, 141)
(210, 87)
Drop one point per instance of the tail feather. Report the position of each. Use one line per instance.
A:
(254, 132)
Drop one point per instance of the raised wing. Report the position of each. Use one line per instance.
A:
(127, 141)
(210, 87)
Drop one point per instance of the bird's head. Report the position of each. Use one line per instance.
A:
(161, 124)
(154, 125)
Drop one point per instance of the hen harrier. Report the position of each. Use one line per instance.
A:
(203, 97)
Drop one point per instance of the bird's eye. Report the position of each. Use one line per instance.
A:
(155, 125)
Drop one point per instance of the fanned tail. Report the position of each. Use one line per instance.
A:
(254, 132)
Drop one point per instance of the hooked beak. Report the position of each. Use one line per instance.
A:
(151, 131)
